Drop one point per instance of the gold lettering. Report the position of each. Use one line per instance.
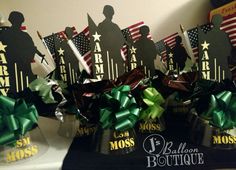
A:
(28, 152)
(98, 58)
(3, 59)
(4, 91)
(99, 69)
(99, 77)
(113, 145)
(205, 56)
(225, 139)
(62, 61)
(121, 144)
(216, 140)
(205, 65)
(62, 69)
(133, 58)
(133, 65)
(19, 154)
(231, 140)
(206, 75)
(3, 71)
(64, 77)
(97, 47)
(23, 142)
(171, 60)
(132, 143)
(34, 149)
(4, 82)
(10, 157)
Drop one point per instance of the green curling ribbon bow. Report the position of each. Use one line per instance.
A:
(153, 100)
(44, 87)
(121, 111)
(16, 118)
(222, 110)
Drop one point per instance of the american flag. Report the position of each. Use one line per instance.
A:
(133, 33)
(160, 45)
(229, 26)
(23, 28)
(82, 41)
(60, 35)
(193, 37)
(82, 44)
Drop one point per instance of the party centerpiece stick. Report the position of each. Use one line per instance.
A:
(143, 52)
(44, 43)
(187, 43)
(78, 55)
(106, 41)
(214, 51)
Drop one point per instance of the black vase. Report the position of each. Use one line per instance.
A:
(202, 133)
(151, 126)
(113, 142)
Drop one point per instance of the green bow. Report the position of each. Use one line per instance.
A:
(121, 111)
(16, 118)
(44, 87)
(222, 110)
(153, 100)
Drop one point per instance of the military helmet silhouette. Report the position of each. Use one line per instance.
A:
(16, 18)
(217, 20)
(108, 11)
(178, 40)
(144, 30)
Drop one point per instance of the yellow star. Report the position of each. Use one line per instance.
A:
(96, 36)
(205, 45)
(2, 47)
(61, 51)
(133, 50)
(170, 55)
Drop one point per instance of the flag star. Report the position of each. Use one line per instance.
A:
(205, 45)
(170, 55)
(133, 50)
(61, 51)
(96, 36)
(2, 47)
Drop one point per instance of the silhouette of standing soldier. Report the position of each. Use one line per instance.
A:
(180, 54)
(218, 46)
(20, 50)
(69, 59)
(112, 39)
(170, 59)
(146, 51)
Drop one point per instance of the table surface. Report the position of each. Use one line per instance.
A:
(54, 156)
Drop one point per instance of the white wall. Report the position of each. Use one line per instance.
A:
(162, 16)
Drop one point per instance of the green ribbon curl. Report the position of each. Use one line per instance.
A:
(44, 87)
(153, 100)
(222, 110)
(121, 111)
(16, 119)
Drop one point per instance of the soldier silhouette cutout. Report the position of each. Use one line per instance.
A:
(70, 61)
(170, 59)
(180, 55)
(112, 39)
(146, 51)
(20, 50)
(216, 44)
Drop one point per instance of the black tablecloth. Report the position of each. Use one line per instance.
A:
(80, 157)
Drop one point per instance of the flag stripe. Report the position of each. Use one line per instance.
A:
(170, 41)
